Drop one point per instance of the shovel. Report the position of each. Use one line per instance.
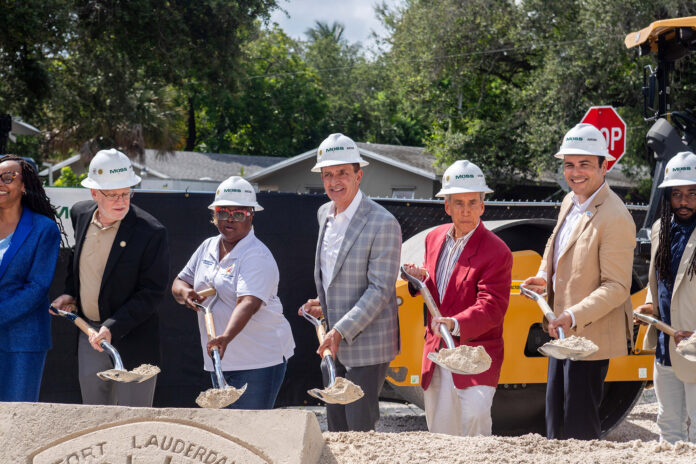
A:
(687, 350)
(118, 373)
(220, 395)
(476, 367)
(339, 390)
(557, 349)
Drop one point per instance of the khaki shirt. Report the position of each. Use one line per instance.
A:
(95, 252)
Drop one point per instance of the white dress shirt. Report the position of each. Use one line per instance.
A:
(569, 223)
(334, 232)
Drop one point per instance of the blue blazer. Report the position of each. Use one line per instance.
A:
(26, 272)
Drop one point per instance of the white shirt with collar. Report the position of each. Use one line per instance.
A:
(248, 269)
(569, 223)
(334, 232)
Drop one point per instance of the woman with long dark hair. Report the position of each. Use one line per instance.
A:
(30, 236)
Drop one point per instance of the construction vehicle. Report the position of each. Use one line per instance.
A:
(519, 403)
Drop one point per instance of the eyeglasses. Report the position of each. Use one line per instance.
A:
(234, 215)
(118, 196)
(690, 196)
(8, 177)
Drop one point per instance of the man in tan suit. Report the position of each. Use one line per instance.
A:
(586, 271)
(671, 296)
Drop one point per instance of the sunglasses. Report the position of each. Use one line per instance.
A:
(234, 215)
(8, 177)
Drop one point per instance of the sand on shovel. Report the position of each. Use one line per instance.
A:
(139, 374)
(576, 344)
(464, 358)
(217, 398)
(341, 392)
(687, 347)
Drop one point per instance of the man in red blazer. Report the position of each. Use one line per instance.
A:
(469, 275)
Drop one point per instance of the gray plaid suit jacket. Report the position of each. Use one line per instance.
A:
(361, 298)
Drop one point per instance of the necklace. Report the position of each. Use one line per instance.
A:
(224, 248)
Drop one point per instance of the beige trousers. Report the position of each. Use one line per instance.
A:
(452, 411)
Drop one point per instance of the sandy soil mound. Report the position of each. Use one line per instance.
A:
(633, 441)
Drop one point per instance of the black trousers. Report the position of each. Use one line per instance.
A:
(573, 396)
(361, 415)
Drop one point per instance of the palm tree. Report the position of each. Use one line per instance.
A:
(322, 30)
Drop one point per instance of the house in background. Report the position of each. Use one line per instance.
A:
(394, 172)
(188, 170)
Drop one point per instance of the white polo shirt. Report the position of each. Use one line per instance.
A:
(248, 269)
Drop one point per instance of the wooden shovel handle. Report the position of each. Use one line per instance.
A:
(430, 302)
(210, 325)
(321, 335)
(84, 326)
(210, 291)
(669, 330)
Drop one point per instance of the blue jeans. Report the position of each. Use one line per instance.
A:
(263, 385)
(20, 375)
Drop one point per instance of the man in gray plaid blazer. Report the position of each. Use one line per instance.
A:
(356, 267)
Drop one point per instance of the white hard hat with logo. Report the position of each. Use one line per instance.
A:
(463, 177)
(584, 139)
(680, 170)
(235, 191)
(110, 169)
(337, 149)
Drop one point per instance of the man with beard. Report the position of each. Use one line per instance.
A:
(671, 293)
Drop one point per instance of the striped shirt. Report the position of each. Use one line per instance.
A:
(449, 255)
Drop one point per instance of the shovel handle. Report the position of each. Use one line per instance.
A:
(321, 335)
(210, 325)
(84, 326)
(669, 330)
(205, 293)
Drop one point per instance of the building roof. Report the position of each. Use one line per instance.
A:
(411, 159)
(206, 166)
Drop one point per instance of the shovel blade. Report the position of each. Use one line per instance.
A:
(560, 352)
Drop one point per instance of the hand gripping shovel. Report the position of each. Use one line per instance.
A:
(339, 390)
(118, 373)
(220, 395)
(563, 348)
(686, 348)
(462, 359)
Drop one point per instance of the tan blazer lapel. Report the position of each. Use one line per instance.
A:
(685, 260)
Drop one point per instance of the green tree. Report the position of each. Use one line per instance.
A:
(68, 178)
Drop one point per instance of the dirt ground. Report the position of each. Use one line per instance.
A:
(402, 437)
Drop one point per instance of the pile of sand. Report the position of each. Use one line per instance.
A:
(469, 359)
(576, 343)
(633, 441)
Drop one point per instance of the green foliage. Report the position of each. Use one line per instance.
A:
(69, 179)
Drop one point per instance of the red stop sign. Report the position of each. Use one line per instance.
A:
(610, 124)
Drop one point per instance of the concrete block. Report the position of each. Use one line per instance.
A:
(50, 433)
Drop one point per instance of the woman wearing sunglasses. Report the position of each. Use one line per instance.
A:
(30, 236)
(257, 340)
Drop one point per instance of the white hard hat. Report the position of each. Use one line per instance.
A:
(680, 170)
(235, 191)
(110, 169)
(337, 149)
(584, 139)
(463, 177)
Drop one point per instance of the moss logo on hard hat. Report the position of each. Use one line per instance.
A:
(116, 171)
(464, 176)
(683, 168)
(576, 139)
(231, 190)
(334, 149)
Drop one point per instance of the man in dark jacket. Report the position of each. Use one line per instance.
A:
(117, 275)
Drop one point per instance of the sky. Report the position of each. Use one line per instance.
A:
(358, 17)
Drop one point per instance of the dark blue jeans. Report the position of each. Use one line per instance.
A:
(20, 375)
(263, 385)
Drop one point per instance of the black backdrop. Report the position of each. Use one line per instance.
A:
(288, 226)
